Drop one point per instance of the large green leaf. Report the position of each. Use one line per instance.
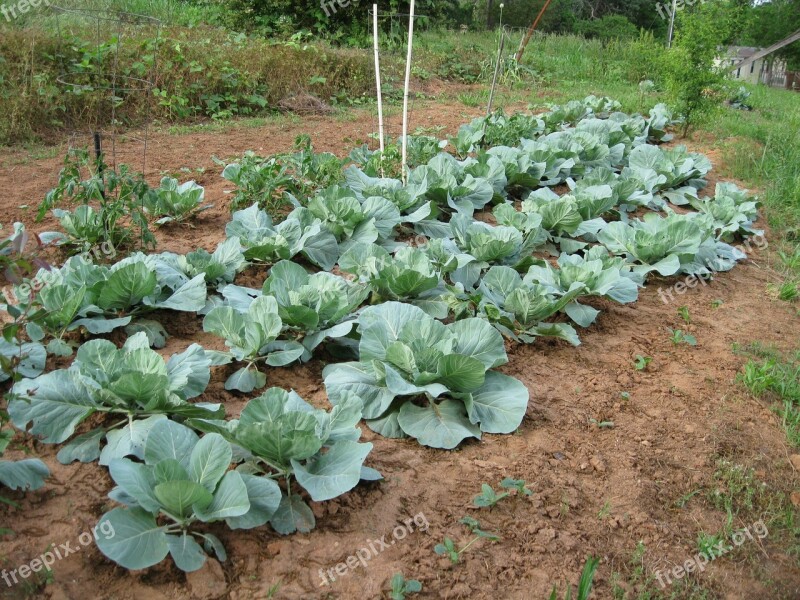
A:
(210, 459)
(264, 496)
(478, 339)
(499, 405)
(25, 474)
(293, 514)
(168, 439)
(129, 440)
(381, 325)
(138, 541)
(230, 500)
(179, 498)
(333, 473)
(55, 403)
(359, 379)
(127, 287)
(444, 425)
(137, 481)
(461, 373)
(84, 448)
(186, 552)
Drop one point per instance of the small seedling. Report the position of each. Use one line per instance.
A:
(585, 583)
(602, 424)
(605, 511)
(448, 546)
(516, 484)
(402, 586)
(625, 396)
(488, 497)
(716, 303)
(642, 362)
(683, 311)
(679, 337)
(475, 527)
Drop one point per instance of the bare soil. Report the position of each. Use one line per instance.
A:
(596, 490)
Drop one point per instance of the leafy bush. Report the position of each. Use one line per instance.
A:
(183, 481)
(119, 220)
(406, 356)
(285, 437)
(251, 335)
(174, 202)
(133, 382)
(608, 27)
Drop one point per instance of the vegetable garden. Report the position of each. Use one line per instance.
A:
(405, 296)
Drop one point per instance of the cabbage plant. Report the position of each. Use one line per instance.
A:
(420, 378)
(315, 307)
(604, 276)
(519, 307)
(299, 233)
(655, 243)
(252, 338)
(730, 213)
(133, 382)
(182, 483)
(282, 437)
(411, 275)
(218, 268)
(175, 202)
(82, 294)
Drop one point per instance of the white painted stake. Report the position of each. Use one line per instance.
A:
(671, 31)
(405, 92)
(378, 78)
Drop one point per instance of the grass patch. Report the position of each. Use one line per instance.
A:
(776, 378)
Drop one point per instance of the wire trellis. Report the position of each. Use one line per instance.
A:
(96, 78)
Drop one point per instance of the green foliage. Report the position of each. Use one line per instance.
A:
(641, 363)
(24, 474)
(407, 354)
(87, 296)
(286, 438)
(609, 27)
(251, 335)
(584, 584)
(111, 204)
(402, 587)
(695, 84)
(133, 382)
(183, 482)
(174, 202)
(265, 181)
(449, 548)
(681, 337)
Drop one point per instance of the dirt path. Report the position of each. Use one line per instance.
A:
(596, 490)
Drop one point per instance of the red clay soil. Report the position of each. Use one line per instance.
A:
(597, 491)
